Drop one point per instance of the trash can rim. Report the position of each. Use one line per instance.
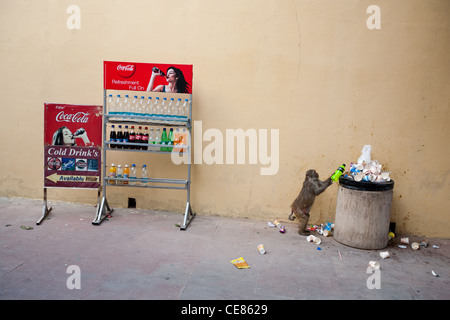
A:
(365, 185)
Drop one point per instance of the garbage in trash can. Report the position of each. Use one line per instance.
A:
(363, 212)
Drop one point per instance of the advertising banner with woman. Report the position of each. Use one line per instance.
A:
(175, 78)
(72, 146)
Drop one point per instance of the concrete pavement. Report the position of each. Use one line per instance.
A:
(141, 254)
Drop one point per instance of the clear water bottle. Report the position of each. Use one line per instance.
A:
(111, 105)
(133, 174)
(141, 107)
(144, 175)
(178, 108)
(156, 107)
(127, 106)
(185, 108)
(149, 107)
(151, 138)
(134, 106)
(170, 108)
(157, 139)
(119, 174)
(164, 106)
(119, 105)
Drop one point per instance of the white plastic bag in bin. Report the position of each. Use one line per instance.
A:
(365, 155)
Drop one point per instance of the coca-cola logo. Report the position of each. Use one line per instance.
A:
(79, 117)
(126, 71)
(54, 163)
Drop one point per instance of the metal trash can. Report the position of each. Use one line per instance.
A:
(363, 213)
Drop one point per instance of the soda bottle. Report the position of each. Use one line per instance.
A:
(158, 71)
(119, 174)
(177, 139)
(79, 131)
(164, 140)
(145, 138)
(170, 140)
(112, 137)
(139, 137)
(126, 174)
(157, 139)
(119, 137)
(338, 173)
(112, 173)
(133, 175)
(182, 140)
(144, 175)
(132, 138)
(126, 138)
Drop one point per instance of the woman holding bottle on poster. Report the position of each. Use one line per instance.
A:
(64, 137)
(176, 82)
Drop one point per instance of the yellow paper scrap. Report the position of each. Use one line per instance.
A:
(240, 263)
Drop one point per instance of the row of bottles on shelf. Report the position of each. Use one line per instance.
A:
(159, 108)
(154, 139)
(128, 173)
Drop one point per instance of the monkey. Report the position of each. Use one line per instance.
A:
(301, 206)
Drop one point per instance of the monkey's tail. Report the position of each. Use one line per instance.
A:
(292, 216)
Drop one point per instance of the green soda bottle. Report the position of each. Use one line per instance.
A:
(164, 139)
(335, 177)
(171, 139)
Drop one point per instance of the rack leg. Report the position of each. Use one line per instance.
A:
(188, 216)
(101, 214)
(46, 210)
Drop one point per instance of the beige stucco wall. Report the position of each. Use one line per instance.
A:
(311, 69)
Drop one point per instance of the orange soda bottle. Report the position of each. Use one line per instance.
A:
(126, 174)
(112, 173)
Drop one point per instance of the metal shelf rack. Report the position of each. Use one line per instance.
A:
(103, 208)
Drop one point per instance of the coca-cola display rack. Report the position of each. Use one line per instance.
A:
(178, 117)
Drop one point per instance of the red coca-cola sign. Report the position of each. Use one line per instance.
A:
(137, 76)
(72, 146)
(73, 125)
